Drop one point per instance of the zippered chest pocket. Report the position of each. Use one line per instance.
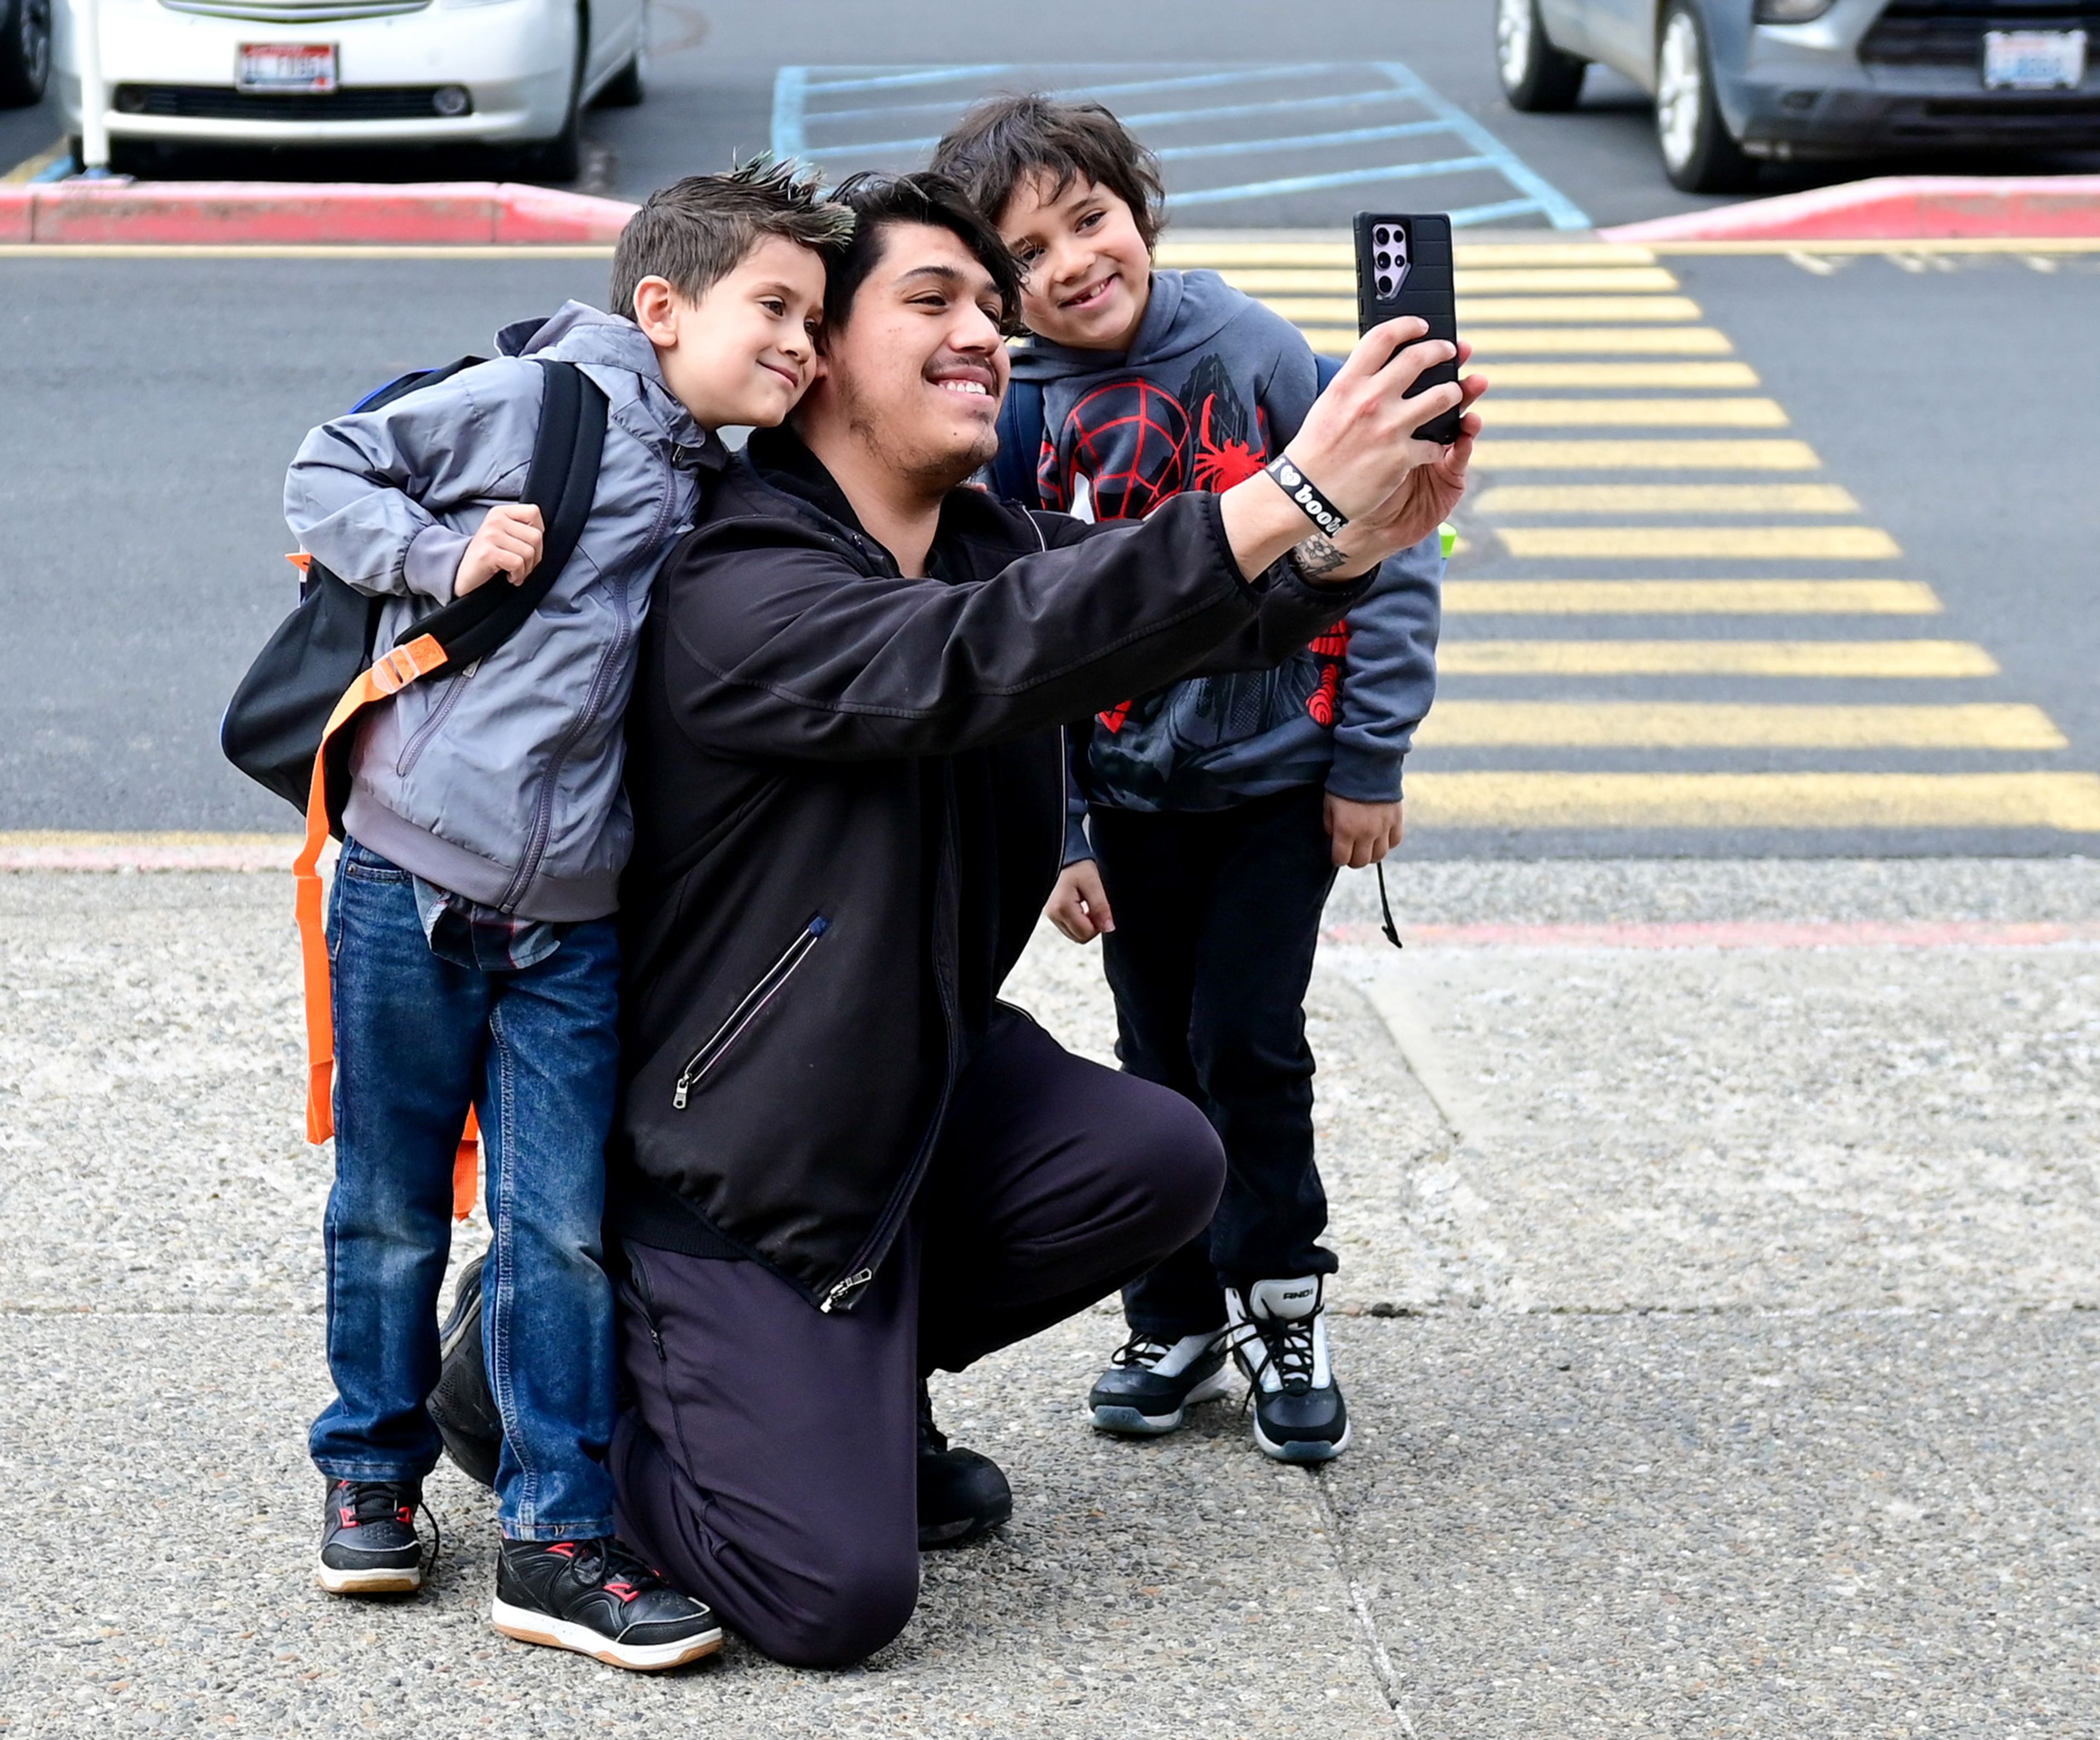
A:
(717, 1044)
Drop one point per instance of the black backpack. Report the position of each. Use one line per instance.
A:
(274, 724)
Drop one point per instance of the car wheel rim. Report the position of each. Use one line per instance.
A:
(36, 37)
(1513, 39)
(1679, 90)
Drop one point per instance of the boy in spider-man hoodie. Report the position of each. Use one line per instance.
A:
(1211, 815)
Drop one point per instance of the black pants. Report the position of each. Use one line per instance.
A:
(768, 1461)
(1217, 914)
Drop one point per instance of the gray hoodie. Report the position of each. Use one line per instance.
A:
(502, 783)
(1213, 387)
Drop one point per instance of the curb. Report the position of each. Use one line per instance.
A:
(1894, 208)
(176, 213)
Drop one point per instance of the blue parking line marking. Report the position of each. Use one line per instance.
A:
(794, 115)
(1346, 177)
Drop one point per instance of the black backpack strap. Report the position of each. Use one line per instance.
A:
(561, 483)
(1020, 445)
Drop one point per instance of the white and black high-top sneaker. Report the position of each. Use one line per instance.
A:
(1279, 1337)
(369, 1541)
(1150, 1383)
(596, 1597)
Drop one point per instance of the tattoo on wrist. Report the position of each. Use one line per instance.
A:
(1317, 556)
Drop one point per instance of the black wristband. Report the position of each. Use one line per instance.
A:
(1305, 496)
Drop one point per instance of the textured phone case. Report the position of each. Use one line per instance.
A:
(1404, 266)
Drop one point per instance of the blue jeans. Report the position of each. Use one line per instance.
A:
(417, 1039)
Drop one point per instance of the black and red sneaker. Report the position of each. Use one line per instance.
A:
(596, 1597)
(369, 1541)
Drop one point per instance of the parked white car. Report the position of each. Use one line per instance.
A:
(366, 72)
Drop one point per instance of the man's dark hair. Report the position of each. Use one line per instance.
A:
(1002, 142)
(696, 232)
(878, 202)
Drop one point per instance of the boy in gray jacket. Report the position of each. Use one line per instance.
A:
(470, 923)
(1218, 809)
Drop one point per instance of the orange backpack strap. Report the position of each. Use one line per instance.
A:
(401, 667)
(464, 1164)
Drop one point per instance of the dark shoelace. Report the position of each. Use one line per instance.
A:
(1287, 1347)
(1139, 1350)
(380, 1501)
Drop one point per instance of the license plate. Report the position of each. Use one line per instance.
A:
(285, 66)
(2033, 60)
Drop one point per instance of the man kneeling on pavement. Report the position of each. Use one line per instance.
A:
(842, 1162)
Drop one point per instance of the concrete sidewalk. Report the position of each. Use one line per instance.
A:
(1718, 1322)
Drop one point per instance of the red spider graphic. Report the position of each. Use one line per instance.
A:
(1329, 648)
(1221, 464)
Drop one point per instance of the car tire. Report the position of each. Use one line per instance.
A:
(25, 52)
(1536, 76)
(561, 158)
(629, 84)
(1698, 153)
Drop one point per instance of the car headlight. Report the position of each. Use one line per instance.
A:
(1770, 11)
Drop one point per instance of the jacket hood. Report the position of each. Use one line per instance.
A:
(577, 333)
(1188, 309)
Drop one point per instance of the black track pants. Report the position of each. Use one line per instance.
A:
(768, 1460)
(1217, 915)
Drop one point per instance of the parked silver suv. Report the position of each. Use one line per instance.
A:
(1737, 80)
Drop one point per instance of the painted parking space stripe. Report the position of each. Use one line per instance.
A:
(1699, 543)
(1314, 127)
(1672, 374)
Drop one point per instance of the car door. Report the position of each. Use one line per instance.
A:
(1622, 36)
(615, 33)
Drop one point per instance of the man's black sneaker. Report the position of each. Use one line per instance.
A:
(961, 1494)
(368, 1541)
(1279, 1337)
(596, 1598)
(461, 1407)
(1150, 1384)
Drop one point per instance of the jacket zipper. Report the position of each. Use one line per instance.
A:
(843, 1294)
(755, 999)
(413, 752)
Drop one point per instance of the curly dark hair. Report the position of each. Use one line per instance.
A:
(1003, 141)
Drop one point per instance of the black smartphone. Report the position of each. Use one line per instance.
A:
(1404, 266)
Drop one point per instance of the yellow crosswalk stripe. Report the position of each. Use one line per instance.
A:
(1699, 543)
(1274, 280)
(1634, 413)
(1763, 597)
(1598, 341)
(1706, 375)
(1483, 311)
(1697, 725)
(1221, 255)
(1492, 455)
(2069, 802)
(1715, 658)
(1667, 498)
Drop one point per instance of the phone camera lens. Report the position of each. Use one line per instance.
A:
(1382, 235)
(1385, 259)
(1385, 283)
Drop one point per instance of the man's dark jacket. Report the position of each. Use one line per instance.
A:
(848, 793)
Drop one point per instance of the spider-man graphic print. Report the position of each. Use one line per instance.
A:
(1126, 445)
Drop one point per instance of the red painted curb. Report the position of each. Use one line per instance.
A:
(1895, 208)
(242, 213)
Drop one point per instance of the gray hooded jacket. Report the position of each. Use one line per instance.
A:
(502, 782)
(1214, 386)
